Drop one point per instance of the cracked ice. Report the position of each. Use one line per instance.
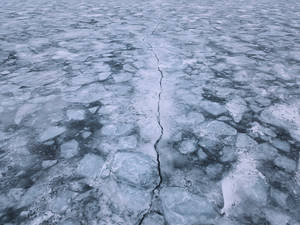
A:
(143, 112)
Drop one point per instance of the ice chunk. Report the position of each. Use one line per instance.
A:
(109, 129)
(122, 77)
(228, 154)
(237, 107)
(224, 118)
(5, 72)
(263, 101)
(281, 145)
(127, 199)
(82, 79)
(215, 129)
(93, 109)
(78, 186)
(214, 170)
(128, 142)
(101, 67)
(295, 55)
(33, 194)
(190, 119)
(135, 169)
(48, 163)
(75, 114)
(281, 72)
(4, 203)
(51, 132)
(212, 145)
(103, 76)
(90, 166)
(285, 163)
(24, 111)
(201, 154)
(244, 142)
(16, 193)
(259, 131)
(183, 208)
(195, 117)
(86, 134)
(213, 108)
(277, 217)
(286, 116)
(265, 152)
(187, 146)
(279, 197)
(129, 68)
(69, 149)
(87, 94)
(117, 129)
(60, 203)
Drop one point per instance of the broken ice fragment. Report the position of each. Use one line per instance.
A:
(237, 107)
(286, 116)
(69, 149)
(75, 114)
(213, 108)
(24, 111)
(281, 145)
(135, 169)
(51, 132)
(183, 208)
(48, 163)
(187, 146)
(285, 163)
(90, 166)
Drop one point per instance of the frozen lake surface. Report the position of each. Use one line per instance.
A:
(164, 112)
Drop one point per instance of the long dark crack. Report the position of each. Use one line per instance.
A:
(158, 118)
(159, 122)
